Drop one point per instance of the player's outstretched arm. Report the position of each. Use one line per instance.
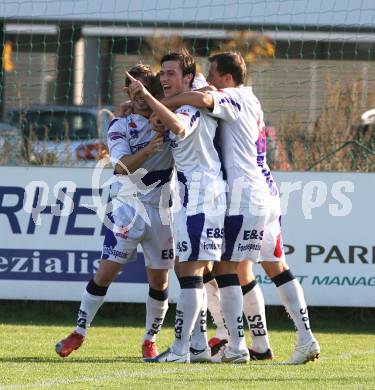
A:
(169, 119)
(194, 98)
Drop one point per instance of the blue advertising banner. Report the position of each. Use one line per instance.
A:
(53, 222)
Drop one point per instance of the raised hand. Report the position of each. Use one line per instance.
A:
(136, 88)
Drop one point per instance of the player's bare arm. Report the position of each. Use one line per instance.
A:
(207, 88)
(130, 163)
(168, 118)
(194, 98)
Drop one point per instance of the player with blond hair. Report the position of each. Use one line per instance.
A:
(141, 158)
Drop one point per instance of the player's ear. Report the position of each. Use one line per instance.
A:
(189, 77)
(228, 78)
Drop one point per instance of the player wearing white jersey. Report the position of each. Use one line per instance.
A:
(242, 126)
(254, 307)
(198, 226)
(143, 165)
(199, 341)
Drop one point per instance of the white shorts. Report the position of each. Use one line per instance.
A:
(130, 229)
(199, 236)
(255, 238)
(243, 236)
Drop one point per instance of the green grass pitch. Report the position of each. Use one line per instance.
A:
(110, 357)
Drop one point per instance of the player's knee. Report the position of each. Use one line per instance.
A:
(245, 278)
(272, 269)
(103, 280)
(245, 272)
(107, 271)
(225, 267)
(158, 284)
(158, 279)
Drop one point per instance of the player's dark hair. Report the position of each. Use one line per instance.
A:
(141, 70)
(231, 62)
(156, 88)
(186, 61)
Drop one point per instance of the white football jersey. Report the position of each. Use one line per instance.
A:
(199, 82)
(243, 143)
(196, 160)
(127, 136)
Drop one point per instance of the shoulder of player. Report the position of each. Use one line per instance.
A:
(128, 123)
(189, 111)
(243, 90)
(232, 96)
(194, 114)
(185, 108)
(117, 123)
(224, 93)
(232, 91)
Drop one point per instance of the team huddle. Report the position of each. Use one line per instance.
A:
(201, 145)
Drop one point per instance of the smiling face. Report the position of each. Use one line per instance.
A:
(172, 79)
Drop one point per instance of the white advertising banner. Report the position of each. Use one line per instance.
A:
(51, 234)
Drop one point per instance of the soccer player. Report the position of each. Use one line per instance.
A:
(254, 307)
(142, 159)
(199, 341)
(250, 182)
(198, 224)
